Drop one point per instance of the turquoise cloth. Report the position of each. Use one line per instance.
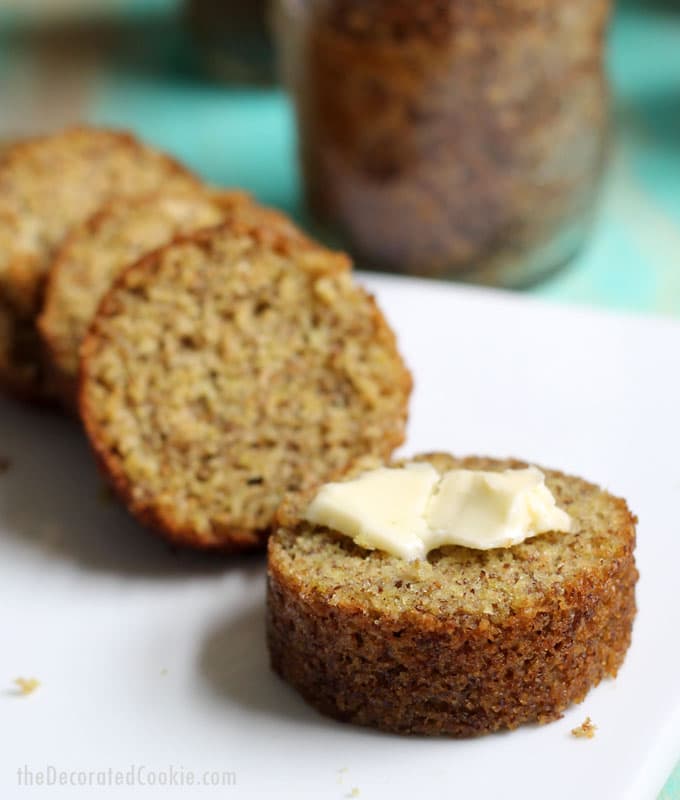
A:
(246, 138)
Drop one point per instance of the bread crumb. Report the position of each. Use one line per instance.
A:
(5, 464)
(164, 671)
(27, 685)
(354, 792)
(586, 730)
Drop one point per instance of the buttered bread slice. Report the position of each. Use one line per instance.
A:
(463, 640)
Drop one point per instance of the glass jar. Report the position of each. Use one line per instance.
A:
(450, 138)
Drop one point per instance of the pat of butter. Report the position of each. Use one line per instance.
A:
(408, 511)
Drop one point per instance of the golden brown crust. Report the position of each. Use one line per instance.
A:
(452, 646)
(271, 425)
(49, 184)
(5, 145)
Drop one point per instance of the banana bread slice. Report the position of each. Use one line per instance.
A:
(96, 251)
(465, 642)
(232, 366)
(47, 185)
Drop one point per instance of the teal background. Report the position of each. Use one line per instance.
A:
(148, 77)
(632, 262)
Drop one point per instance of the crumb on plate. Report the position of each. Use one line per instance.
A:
(586, 730)
(26, 685)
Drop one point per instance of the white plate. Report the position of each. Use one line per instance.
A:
(156, 661)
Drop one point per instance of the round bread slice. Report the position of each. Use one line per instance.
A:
(465, 642)
(230, 367)
(47, 185)
(96, 251)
